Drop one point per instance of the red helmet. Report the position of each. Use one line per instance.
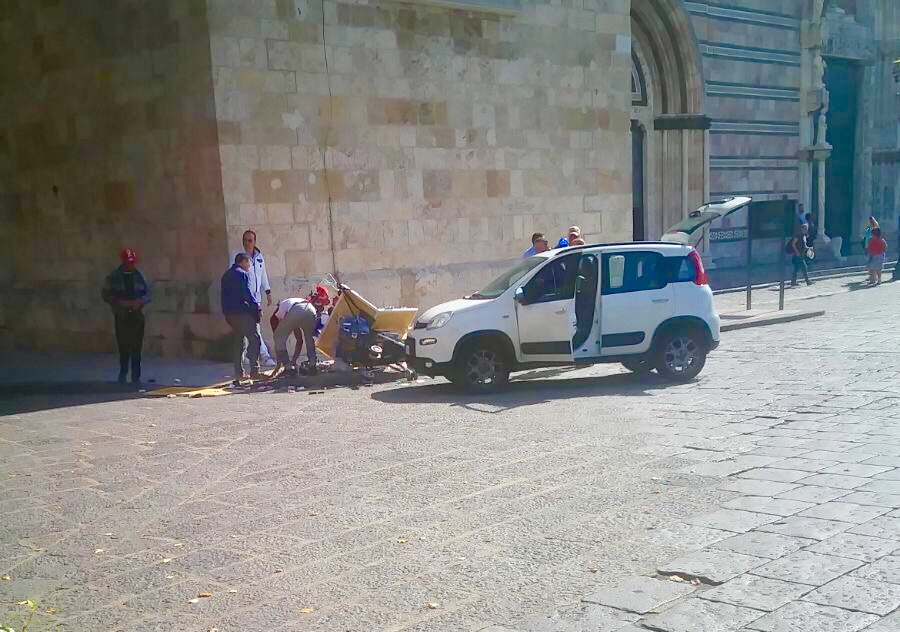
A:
(128, 255)
(319, 297)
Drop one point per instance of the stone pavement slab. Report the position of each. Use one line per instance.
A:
(777, 475)
(882, 527)
(640, 594)
(813, 493)
(859, 547)
(890, 623)
(887, 569)
(873, 498)
(845, 511)
(806, 527)
(762, 544)
(800, 616)
(857, 593)
(760, 593)
(732, 520)
(710, 566)
(699, 614)
(757, 487)
(768, 505)
(838, 481)
(804, 567)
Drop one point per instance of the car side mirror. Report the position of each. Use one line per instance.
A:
(519, 296)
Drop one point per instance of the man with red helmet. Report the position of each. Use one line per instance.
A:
(298, 316)
(126, 291)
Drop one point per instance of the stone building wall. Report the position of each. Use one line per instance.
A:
(449, 136)
(108, 138)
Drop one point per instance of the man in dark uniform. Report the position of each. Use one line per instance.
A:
(127, 292)
(242, 312)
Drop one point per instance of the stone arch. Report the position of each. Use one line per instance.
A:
(668, 127)
(662, 30)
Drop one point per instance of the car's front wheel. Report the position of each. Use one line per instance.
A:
(681, 354)
(481, 367)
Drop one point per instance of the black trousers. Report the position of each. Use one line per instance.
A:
(130, 337)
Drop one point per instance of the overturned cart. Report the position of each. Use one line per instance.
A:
(363, 335)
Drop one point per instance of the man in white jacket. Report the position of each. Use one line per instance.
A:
(259, 284)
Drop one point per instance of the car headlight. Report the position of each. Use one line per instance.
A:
(440, 320)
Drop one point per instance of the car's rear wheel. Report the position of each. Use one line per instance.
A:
(638, 365)
(681, 354)
(481, 367)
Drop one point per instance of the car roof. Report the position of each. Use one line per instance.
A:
(661, 246)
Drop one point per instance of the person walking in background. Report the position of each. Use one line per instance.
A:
(813, 229)
(871, 225)
(876, 249)
(127, 292)
(242, 312)
(797, 249)
(538, 245)
(259, 285)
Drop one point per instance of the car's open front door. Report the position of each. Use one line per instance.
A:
(545, 309)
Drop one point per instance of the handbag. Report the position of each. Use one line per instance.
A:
(810, 254)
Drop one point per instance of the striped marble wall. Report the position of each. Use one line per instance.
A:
(750, 51)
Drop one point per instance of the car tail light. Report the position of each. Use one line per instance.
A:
(700, 276)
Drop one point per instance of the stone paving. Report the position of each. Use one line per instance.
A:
(765, 496)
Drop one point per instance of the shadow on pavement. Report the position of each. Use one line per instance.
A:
(526, 392)
(28, 398)
(857, 285)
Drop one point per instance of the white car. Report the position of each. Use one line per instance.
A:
(645, 304)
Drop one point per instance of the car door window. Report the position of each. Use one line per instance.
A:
(633, 272)
(554, 282)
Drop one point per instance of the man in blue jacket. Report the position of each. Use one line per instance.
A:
(126, 291)
(242, 312)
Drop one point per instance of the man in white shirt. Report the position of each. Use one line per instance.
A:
(297, 316)
(259, 284)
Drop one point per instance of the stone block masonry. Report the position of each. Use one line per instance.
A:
(443, 138)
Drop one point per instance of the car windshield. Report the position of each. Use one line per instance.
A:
(503, 282)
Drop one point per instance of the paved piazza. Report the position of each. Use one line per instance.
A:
(763, 497)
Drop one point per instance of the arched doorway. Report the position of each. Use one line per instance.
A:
(669, 140)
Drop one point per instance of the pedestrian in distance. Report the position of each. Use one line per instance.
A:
(876, 250)
(259, 285)
(242, 312)
(538, 245)
(871, 225)
(813, 229)
(798, 248)
(127, 292)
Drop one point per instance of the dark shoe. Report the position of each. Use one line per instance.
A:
(123, 377)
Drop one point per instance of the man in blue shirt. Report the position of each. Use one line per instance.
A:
(538, 244)
(242, 312)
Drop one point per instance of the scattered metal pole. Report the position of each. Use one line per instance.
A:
(781, 285)
(749, 269)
